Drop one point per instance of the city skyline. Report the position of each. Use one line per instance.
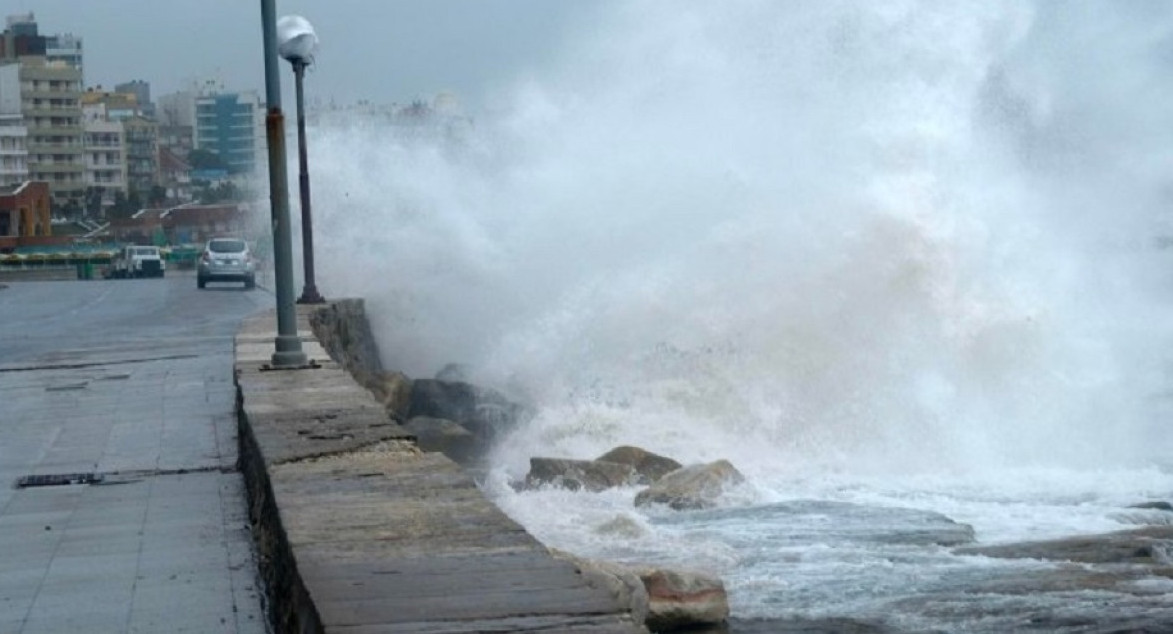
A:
(373, 50)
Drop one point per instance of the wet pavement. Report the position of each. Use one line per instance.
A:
(128, 382)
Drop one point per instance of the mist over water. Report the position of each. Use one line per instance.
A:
(896, 254)
(799, 235)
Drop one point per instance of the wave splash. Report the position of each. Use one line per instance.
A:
(807, 237)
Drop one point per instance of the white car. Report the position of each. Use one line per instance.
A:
(227, 260)
(136, 261)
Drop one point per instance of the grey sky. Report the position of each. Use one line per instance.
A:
(381, 50)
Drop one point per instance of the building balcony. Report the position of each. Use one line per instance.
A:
(47, 93)
(55, 168)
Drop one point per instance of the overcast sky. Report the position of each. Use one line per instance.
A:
(380, 50)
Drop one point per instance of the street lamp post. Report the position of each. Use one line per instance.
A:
(288, 352)
(297, 45)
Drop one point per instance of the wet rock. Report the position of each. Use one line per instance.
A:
(678, 599)
(589, 475)
(648, 466)
(621, 581)
(1135, 580)
(485, 412)
(453, 372)
(1149, 545)
(692, 487)
(622, 526)
(1156, 506)
(393, 391)
(444, 436)
(662, 599)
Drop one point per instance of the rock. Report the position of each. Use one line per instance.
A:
(663, 600)
(1156, 506)
(649, 466)
(678, 599)
(393, 391)
(621, 581)
(692, 487)
(444, 436)
(622, 526)
(1148, 545)
(591, 475)
(482, 411)
(453, 372)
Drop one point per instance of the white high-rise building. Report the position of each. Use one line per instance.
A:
(14, 156)
(104, 155)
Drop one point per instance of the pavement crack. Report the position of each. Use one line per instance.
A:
(91, 364)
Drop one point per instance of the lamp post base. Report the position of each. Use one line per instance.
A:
(310, 295)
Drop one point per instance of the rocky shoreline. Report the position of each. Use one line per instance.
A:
(446, 414)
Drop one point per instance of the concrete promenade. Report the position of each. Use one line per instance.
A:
(130, 381)
(360, 532)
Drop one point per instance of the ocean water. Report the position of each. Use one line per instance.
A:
(898, 262)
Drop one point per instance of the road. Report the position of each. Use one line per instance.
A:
(129, 380)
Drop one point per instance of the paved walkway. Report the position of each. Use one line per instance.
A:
(162, 543)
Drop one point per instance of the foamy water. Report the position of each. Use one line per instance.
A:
(897, 255)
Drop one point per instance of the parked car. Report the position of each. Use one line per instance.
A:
(227, 260)
(136, 261)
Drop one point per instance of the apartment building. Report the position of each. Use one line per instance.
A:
(230, 124)
(104, 157)
(50, 102)
(142, 154)
(14, 166)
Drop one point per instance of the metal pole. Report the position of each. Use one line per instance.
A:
(309, 293)
(288, 353)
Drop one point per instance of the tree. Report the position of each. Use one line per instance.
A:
(125, 206)
(158, 196)
(94, 200)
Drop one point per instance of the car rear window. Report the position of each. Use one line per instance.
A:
(226, 246)
(146, 251)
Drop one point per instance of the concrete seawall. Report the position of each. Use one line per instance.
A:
(358, 531)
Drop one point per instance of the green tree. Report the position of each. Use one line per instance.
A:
(158, 196)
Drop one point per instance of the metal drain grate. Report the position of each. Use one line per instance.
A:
(58, 480)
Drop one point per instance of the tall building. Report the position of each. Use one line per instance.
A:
(142, 94)
(105, 159)
(142, 154)
(65, 48)
(14, 156)
(50, 78)
(229, 125)
(50, 101)
(116, 105)
(22, 38)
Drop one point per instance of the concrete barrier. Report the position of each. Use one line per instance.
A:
(359, 531)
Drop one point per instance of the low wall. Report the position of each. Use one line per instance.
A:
(360, 531)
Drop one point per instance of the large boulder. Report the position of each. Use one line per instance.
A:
(589, 475)
(446, 437)
(681, 600)
(663, 600)
(482, 411)
(649, 466)
(692, 487)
